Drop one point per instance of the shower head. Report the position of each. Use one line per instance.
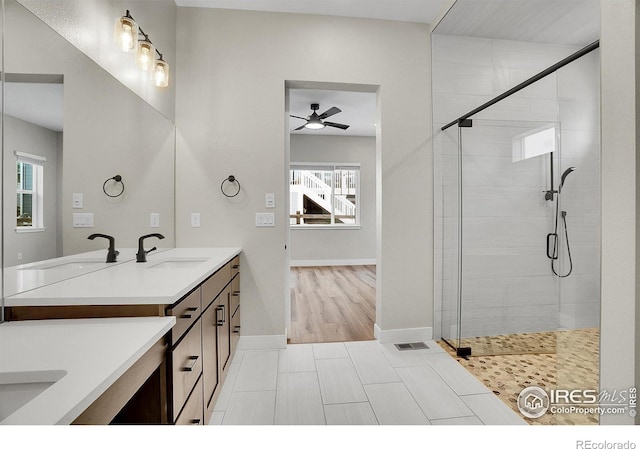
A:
(564, 175)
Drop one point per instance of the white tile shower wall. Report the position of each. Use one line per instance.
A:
(508, 286)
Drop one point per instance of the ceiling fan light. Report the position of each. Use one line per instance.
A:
(314, 124)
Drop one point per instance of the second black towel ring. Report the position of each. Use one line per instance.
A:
(231, 179)
(116, 178)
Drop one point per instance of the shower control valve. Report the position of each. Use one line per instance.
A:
(548, 194)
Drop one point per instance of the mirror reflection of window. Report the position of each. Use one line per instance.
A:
(30, 191)
(534, 143)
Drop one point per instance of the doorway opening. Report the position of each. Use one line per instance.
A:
(331, 190)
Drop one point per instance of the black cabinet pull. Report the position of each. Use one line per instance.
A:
(235, 266)
(236, 329)
(189, 309)
(194, 359)
(195, 421)
(220, 322)
(236, 293)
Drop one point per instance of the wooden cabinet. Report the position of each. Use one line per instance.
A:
(192, 413)
(186, 367)
(210, 357)
(235, 311)
(218, 329)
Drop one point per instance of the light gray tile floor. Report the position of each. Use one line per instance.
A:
(355, 383)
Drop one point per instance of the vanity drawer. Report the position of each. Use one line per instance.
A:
(235, 330)
(193, 412)
(186, 367)
(215, 284)
(235, 266)
(235, 293)
(186, 312)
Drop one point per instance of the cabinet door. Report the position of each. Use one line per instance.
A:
(210, 354)
(223, 316)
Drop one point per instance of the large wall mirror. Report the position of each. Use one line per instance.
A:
(69, 128)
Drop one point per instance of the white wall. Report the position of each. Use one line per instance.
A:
(33, 139)
(507, 284)
(230, 117)
(89, 25)
(337, 246)
(618, 342)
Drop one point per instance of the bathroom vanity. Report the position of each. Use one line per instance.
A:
(65, 371)
(199, 288)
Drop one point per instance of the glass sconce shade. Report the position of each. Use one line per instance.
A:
(126, 33)
(161, 73)
(145, 56)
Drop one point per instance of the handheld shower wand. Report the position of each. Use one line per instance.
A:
(554, 255)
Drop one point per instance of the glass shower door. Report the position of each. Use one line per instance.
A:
(447, 228)
(509, 295)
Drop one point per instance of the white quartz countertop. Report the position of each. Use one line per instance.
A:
(21, 278)
(153, 282)
(91, 353)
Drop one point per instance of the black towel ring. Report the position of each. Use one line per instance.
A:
(116, 178)
(231, 179)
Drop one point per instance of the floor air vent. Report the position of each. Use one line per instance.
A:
(410, 346)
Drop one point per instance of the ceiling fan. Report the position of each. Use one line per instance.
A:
(315, 121)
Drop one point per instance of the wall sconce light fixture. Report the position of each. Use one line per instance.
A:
(127, 35)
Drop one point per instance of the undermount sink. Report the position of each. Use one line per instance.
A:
(18, 388)
(179, 262)
(67, 265)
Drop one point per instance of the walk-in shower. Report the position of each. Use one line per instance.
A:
(517, 201)
(511, 181)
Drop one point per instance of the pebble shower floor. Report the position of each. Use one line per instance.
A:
(526, 359)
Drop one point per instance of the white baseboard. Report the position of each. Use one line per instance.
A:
(249, 342)
(331, 262)
(403, 335)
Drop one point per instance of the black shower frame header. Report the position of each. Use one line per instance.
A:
(462, 120)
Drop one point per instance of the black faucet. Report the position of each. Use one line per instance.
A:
(141, 256)
(112, 254)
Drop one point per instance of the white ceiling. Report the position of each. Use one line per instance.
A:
(425, 11)
(38, 103)
(563, 22)
(358, 111)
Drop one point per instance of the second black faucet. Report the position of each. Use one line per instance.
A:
(141, 256)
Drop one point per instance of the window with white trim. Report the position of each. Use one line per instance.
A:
(30, 191)
(324, 194)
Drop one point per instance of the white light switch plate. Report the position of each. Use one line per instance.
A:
(154, 220)
(83, 220)
(265, 219)
(77, 201)
(270, 200)
(195, 219)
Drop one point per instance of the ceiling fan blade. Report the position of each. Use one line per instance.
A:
(300, 127)
(329, 112)
(295, 116)
(336, 125)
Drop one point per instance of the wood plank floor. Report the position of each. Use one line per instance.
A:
(331, 304)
